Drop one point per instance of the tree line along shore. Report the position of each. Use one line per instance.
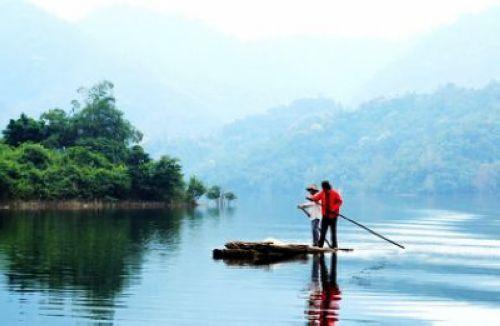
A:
(89, 157)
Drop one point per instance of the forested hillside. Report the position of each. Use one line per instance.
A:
(90, 152)
(447, 141)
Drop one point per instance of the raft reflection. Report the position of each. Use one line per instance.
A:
(323, 302)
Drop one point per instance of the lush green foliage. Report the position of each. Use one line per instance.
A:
(230, 196)
(84, 155)
(98, 126)
(24, 129)
(447, 141)
(195, 189)
(214, 193)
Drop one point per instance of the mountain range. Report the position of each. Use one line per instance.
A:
(417, 115)
(178, 77)
(447, 141)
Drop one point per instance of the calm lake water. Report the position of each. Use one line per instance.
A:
(155, 267)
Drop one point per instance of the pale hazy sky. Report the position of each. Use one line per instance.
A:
(250, 19)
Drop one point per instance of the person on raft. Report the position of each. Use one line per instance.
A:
(330, 201)
(313, 211)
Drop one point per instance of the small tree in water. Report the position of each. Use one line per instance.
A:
(230, 196)
(195, 190)
(215, 193)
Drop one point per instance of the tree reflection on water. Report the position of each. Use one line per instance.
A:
(94, 253)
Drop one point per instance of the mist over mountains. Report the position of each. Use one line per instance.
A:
(204, 96)
(465, 53)
(46, 60)
(176, 76)
(447, 141)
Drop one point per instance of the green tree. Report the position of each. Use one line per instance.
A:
(137, 161)
(113, 150)
(214, 193)
(100, 119)
(58, 129)
(110, 183)
(5, 167)
(100, 126)
(195, 189)
(34, 155)
(85, 158)
(85, 155)
(230, 196)
(167, 178)
(23, 130)
(161, 180)
(137, 156)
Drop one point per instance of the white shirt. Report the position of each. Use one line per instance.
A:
(313, 208)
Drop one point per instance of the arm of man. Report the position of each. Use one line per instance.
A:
(316, 198)
(303, 208)
(306, 204)
(338, 201)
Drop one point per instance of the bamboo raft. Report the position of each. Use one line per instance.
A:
(266, 252)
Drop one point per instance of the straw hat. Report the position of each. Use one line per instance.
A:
(312, 187)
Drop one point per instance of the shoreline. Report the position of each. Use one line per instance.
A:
(32, 205)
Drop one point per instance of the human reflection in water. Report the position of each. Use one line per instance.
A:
(323, 303)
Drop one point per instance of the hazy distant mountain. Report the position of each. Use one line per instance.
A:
(176, 76)
(42, 60)
(231, 77)
(465, 53)
(172, 75)
(45, 60)
(446, 141)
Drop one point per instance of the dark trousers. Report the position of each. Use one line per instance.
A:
(325, 223)
(315, 231)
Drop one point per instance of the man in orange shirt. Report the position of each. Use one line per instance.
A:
(330, 205)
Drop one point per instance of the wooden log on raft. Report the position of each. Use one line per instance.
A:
(267, 251)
